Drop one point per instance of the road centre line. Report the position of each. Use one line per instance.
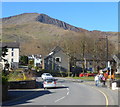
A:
(59, 99)
(63, 96)
(68, 93)
(67, 88)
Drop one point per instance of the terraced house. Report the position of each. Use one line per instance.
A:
(12, 56)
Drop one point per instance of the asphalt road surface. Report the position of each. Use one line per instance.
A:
(66, 93)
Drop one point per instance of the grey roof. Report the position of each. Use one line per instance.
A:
(118, 55)
(55, 50)
(91, 57)
(10, 44)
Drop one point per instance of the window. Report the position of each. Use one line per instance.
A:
(58, 59)
(12, 60)
(12, 49)
(12, 53)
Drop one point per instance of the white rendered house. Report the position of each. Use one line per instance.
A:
(12, 56)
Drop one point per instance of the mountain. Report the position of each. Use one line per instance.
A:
(39, 33)
(28, 17)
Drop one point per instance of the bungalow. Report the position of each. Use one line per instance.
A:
(57, 60)
(12, 56)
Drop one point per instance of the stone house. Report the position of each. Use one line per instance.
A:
(57, 60)
(92, 64)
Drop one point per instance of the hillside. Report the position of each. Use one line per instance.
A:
(39, 33)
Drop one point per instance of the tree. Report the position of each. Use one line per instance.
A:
(4, 53)
(24, 60)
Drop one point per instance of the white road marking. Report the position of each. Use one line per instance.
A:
(63, 85)
(59, 99)
(67, 88)
(63, 96)
(68, 93)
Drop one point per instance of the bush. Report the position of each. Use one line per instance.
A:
(20, 76)
(4, 79)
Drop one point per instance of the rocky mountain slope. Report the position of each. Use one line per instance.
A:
(39, 33)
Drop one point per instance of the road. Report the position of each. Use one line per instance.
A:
(66, 93)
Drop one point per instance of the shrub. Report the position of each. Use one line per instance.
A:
(4, 79)
(20, 76)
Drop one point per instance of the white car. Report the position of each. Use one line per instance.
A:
(46, 76)
(49, 83)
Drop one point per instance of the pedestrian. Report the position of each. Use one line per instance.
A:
(97, 80)
(103, 80)
(100, 78)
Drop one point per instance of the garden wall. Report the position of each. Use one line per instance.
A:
(4, 92)
(27, 84)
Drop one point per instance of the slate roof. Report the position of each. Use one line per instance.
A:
(90, 57)
(118, 55)
(10, 44)
(55, 50)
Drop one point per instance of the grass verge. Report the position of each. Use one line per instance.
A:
(84, 78)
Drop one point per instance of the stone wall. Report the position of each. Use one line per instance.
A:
(28, 84)
(4, 92)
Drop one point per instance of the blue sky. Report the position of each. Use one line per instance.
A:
(101, 16)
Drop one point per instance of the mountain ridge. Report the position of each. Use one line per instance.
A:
(39, 30)
(43, 18)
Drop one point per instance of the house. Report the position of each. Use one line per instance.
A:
(12, 56)
(37, 59)
(57, 60)
(117, 60)
(90, 63)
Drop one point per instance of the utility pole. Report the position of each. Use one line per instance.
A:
(83, 57)
(107, 50)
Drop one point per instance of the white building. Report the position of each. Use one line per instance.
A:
(37, 59)
(12, 56)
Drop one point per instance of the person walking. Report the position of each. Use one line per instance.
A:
(97, 80)
(101, 79)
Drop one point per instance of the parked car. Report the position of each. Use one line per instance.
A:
(49, 83)
(46, 76)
